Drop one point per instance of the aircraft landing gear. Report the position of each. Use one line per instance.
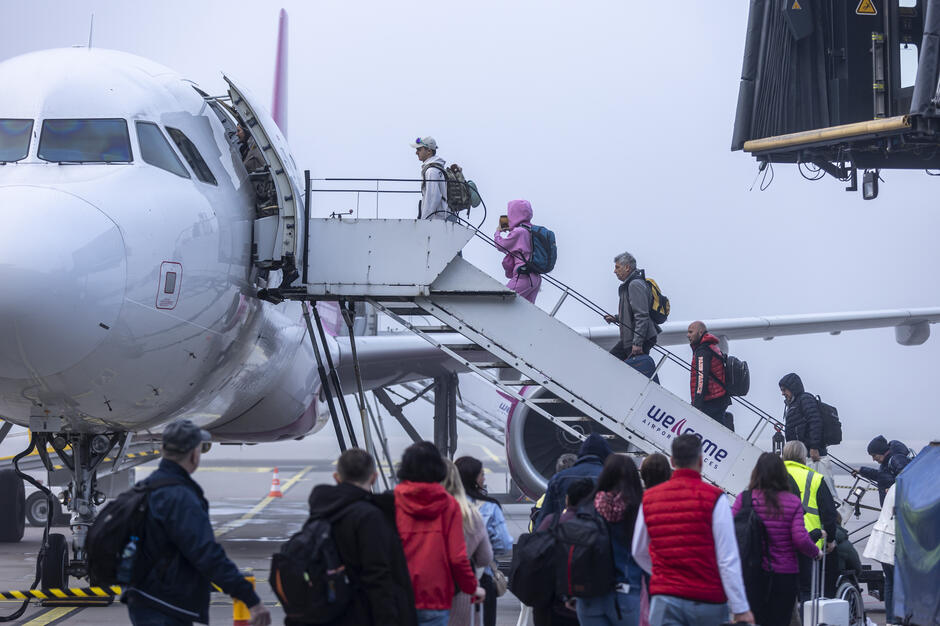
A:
(81, 454)
(13, 511)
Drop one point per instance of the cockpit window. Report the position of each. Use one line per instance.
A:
(192, 156)
(156, 150)
(85, 141)
(14, 139)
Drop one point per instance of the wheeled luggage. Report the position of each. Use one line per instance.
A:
(818, 610)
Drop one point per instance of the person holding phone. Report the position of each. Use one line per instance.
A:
(513, 237)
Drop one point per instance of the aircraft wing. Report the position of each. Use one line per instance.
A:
(911, 326)
(399, 357)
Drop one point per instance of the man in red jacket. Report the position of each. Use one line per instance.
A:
(708, 374)
(684, 537)
(431, 531)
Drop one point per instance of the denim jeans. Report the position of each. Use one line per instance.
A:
(147, 616)
(602, 611)
(431, 617)
(673, 611)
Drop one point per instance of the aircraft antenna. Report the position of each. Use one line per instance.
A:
(91, 30)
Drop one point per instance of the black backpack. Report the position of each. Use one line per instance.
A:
(753, 542)
(831, 426)
(122, 518)
(584, 556)
(532, 572)
(308, 576)
(737, 376)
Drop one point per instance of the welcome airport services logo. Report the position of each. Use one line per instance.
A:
(666, 426)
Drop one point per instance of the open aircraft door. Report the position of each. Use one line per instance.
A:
(277, 235)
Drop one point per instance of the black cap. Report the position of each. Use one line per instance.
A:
(183, 435)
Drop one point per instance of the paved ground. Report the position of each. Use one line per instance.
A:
(251, 527)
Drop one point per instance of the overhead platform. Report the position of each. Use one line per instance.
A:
(841, 85)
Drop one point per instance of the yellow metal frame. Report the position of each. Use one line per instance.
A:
(845, 131)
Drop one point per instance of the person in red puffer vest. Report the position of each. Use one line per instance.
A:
(684, 537)
(708, 373)
(431, 530)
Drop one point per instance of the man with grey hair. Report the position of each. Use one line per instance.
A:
(637, 331)
(819, 515)
(178, 555)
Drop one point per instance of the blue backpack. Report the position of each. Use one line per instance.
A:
(544, 252)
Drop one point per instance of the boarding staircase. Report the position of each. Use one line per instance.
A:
(411, 269)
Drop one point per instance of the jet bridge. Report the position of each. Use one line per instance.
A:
(409, 268)
(840, 86)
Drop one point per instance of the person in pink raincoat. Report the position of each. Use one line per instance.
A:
(516, 241)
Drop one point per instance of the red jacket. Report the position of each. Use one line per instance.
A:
(678, 516)
(706, 357)
(431, 531)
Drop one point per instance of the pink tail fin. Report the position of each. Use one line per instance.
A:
(279, 103)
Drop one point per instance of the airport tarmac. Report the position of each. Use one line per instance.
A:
(251, 526)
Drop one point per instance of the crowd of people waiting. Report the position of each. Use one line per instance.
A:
(424, 553)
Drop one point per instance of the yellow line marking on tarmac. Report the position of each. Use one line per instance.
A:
(51, 615)
(235, 468)
(230, 526)
(489, 453)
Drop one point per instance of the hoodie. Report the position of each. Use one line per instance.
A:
(433, 190)
(364, 532)
(594, 451)
(431, 532)
(802, 420)
(517, 241)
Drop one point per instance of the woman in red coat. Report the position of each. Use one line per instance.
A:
(431, 531)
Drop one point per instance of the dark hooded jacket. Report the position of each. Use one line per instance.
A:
(594, 451)
(368, 545)
(895, 460)
(802, 420)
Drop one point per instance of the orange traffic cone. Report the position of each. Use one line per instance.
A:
(275, 486)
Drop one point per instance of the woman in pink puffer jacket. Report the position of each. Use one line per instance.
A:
(772, 599)
(516, 242)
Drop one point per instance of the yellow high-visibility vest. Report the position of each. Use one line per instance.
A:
(538, 506)
(808, 481)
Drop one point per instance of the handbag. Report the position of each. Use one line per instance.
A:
(499, 580)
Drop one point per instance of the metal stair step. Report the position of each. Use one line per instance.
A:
(492, 365)
(433, 329)
(407, 311)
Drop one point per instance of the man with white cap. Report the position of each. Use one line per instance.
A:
(178, 555)
(433, 204)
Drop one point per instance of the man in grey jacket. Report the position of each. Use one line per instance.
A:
(638, 332)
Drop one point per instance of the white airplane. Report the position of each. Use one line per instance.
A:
(131, 261)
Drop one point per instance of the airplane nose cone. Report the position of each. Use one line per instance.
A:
(62, 280)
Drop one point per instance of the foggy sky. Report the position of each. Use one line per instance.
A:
(614, 119)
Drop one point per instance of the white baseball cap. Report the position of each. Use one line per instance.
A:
(425, 142)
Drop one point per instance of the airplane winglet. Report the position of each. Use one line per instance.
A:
(279, 103)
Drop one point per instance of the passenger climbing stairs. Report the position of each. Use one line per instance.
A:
(411, 269)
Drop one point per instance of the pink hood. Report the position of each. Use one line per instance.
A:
(519, 211)
(517, 241)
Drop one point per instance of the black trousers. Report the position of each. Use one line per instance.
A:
(776, 607)
(806, 575)
(489, 604)
(622, 351)
(716, 410)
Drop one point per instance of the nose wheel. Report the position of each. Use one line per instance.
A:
(13, 511)
(55, 563)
